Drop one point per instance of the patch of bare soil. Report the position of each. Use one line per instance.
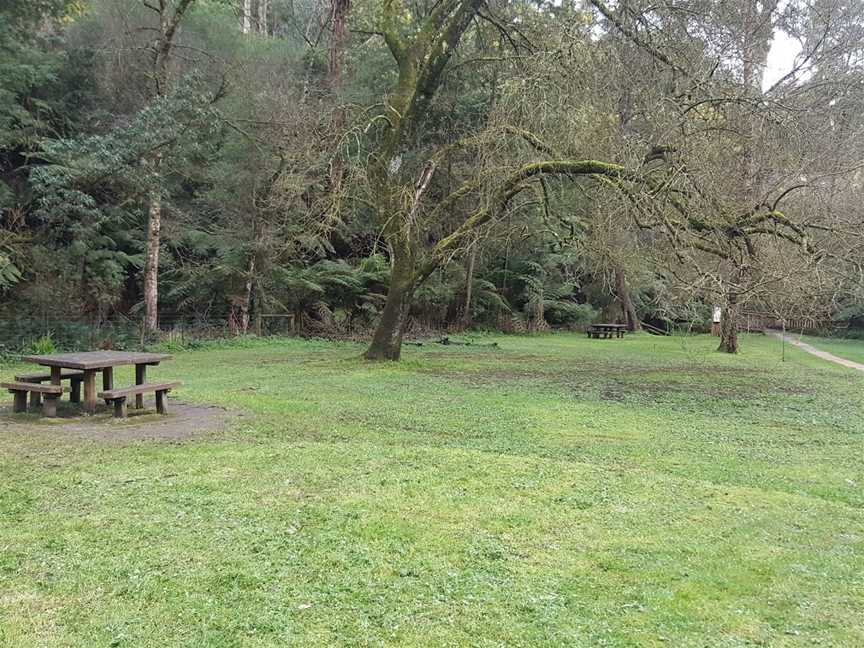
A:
(184, 421)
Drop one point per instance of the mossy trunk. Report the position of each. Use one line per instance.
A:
(729, 325)
(467, 319)
(631, 319)
(387, 341)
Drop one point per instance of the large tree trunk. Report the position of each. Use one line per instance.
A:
(623, 294)
(729, 325)
(151, 265)
(387, 341)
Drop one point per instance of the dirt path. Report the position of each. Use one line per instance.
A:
(184, 422)
(830, 357)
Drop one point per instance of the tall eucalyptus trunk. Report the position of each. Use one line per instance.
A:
(161, 49)
(151, 264)
(622, 291)
(246, 16)
(246, 303)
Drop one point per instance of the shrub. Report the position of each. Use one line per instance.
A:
(43, 345)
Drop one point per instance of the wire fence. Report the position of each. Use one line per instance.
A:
(25, 334)
(37, 334)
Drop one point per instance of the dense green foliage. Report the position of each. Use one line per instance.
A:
(554, 491)
(262, 143)
(246, 138)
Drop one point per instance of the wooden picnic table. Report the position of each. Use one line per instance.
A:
(607, 330)
(90, 362)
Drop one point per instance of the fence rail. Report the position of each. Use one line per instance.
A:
(761, 321)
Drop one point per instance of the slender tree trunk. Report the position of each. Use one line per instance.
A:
(247, 299)
(168, 26)
(537, 314)
(729, 324)
(151, 265)
(263, 11)
(387, 341)
(338, 15)
(469, 287)
(246, 16)
(623, 294)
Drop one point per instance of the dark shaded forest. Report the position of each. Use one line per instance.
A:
(387, 168)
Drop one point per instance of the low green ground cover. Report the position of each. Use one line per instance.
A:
(845, 348)
(554, 491)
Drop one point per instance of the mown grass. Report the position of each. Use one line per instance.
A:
(554, 491)
(845, 348)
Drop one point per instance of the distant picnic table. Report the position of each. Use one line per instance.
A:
(82, 368)
(606, 330)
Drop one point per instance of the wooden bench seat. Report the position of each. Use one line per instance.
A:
(75, 378)
(605, 332)
(20, 390)
(119, 396)
(595, 332)
(42, 377)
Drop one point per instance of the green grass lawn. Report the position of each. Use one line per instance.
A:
(849, 349)
(553, 492)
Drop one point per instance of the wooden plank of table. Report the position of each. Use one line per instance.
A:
(97, 359)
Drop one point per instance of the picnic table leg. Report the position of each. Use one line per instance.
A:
(140, 379)
(35, 401)
(55, 378)
(19, 404)
(107, 380)
(75, 395)
(49, 409)
(161, 402)
(90, 391)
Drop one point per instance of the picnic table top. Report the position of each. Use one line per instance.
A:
(96, 359)
(610, 326)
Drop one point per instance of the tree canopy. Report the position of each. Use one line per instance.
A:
(382, 166)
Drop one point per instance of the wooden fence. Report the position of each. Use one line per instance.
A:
(759, 321)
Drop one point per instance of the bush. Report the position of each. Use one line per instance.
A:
(43, 345)
(569, 314)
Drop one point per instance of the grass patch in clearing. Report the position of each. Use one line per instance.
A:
(554, 491)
